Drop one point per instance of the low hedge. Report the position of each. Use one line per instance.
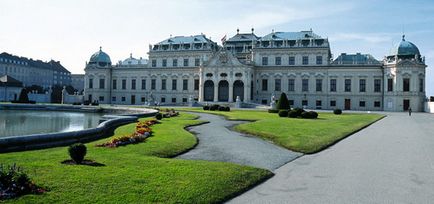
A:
(337, 111)
(283, 113)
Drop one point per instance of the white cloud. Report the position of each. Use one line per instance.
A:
(367, 37)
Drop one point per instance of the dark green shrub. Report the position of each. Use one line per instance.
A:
(214, 107)
(206, 108)
(293, 114)
(305, 115)
(313, 114)
(227, 109)
(221, 108)
(282, 103)
(283, 113)
(14, 182)
(159, 116)
(337, 111)
(273, 110)
(23, 98)
(299, 111)
(77, 152)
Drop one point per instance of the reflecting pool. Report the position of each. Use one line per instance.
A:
(25, 122)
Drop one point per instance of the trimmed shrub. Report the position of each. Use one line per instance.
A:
(337, 111)
(23, 98)
(313, 114)
(206, 108)
(77, 152)
(214, 107)
(221, 108)
(299, 111)
(159, 116)
(283, 113)
(305, 115)
(282, 103)
(293, 114)
(227, 109)
(309, 115)
(273, 110)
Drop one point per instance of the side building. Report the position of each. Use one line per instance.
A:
(34, 72)
(254, 68)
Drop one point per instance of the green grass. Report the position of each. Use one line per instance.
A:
(139, 173)
(301, 135)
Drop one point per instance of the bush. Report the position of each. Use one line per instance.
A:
(206, 108)
(23, 98)
(77, 152)
(283, 113)
(214, 107)
(227, 109)
(314, 115)
(305, 115)
(282, 103)
(273, 111)
(293, 114)
(159, 116)
(299, 111)
(337, 111)
(14, 182)
(221, 108)
(309, 115)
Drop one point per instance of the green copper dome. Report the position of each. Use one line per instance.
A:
(100, 58)
(405, 48)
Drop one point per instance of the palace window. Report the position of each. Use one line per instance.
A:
(184, 100)
(133, 84)
(291, 102)
(185, 84)
(304, 103)
(196, 84)
(362, 103)
(164, 62)
(291, 85)
(264, 60)
(318, 59)
(347, 85)
(389, 84)
(173, 84)
(114, 98)
(173, 100)
(421, 85)
(101, 98)
(197, 62)
(362, 85)
(305, 60)
(175, 62)
(143, 84)
(377, 85)
(115, 84)
(377, 104)
(186, 62)
(91, 83)
(332, 103)
(291, 60)
(318, 85)
(142, 99)
(123, 98)
(264, 85)
(305, 85)
(153, 84)
(406, 84)
(124, 84)
(277, 84)
(154, 63)
(278, 60)
(163, 84)
(101, 83)
(163, 100)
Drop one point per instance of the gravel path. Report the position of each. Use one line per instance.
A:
(391, 161)
(218, 143)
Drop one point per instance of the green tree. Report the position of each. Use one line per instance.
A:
(283, 103)
(24, 98)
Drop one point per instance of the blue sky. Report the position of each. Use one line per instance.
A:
(70, 31)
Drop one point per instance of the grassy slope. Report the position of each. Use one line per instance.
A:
(301, 135)
(136, 173)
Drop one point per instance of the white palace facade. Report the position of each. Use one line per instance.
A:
(254, 68)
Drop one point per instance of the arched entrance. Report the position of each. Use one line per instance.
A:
(238, 90)
(223, 90)
(208, 91)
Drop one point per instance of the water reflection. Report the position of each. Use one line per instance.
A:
(24, 122)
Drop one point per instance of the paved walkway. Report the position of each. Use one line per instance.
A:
(218, 143)
(391, 161)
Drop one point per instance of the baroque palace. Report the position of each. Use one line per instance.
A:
(251, 68)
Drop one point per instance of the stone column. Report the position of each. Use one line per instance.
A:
(201, 85)
(216, 92)
(246, 93)
(231, 92)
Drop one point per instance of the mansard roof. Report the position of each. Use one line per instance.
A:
(23, 61)
(291, 35)
(356, 59)
(243, 37)
(186, 40)
(7, 80)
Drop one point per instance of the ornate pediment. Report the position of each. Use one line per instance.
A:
(223, 58)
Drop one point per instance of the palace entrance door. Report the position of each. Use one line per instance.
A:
(208, 91)
(347, 104)
(238, 90)
(223, 91)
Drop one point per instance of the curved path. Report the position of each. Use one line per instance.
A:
(391, 161)
(218, 143)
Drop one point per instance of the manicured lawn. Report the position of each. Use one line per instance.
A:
(301, 135)
(139, 173)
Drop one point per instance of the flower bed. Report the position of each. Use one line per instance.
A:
(14, 183)
(140, 134)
